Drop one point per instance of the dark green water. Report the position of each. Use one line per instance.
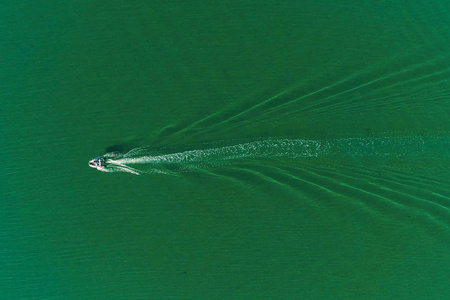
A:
(286, 150)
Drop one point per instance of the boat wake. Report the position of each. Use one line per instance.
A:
(146, 160)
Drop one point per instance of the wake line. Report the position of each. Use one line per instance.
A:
(409, 147)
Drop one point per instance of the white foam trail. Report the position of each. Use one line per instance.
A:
(270, 148)
(112, 167)
(394, 147)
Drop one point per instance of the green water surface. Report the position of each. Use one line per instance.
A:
(79, 79)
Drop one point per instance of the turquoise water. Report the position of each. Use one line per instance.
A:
(261, 150)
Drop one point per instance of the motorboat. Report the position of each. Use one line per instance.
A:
(97, 162)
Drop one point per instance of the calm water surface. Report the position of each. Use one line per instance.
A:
(285, 150)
